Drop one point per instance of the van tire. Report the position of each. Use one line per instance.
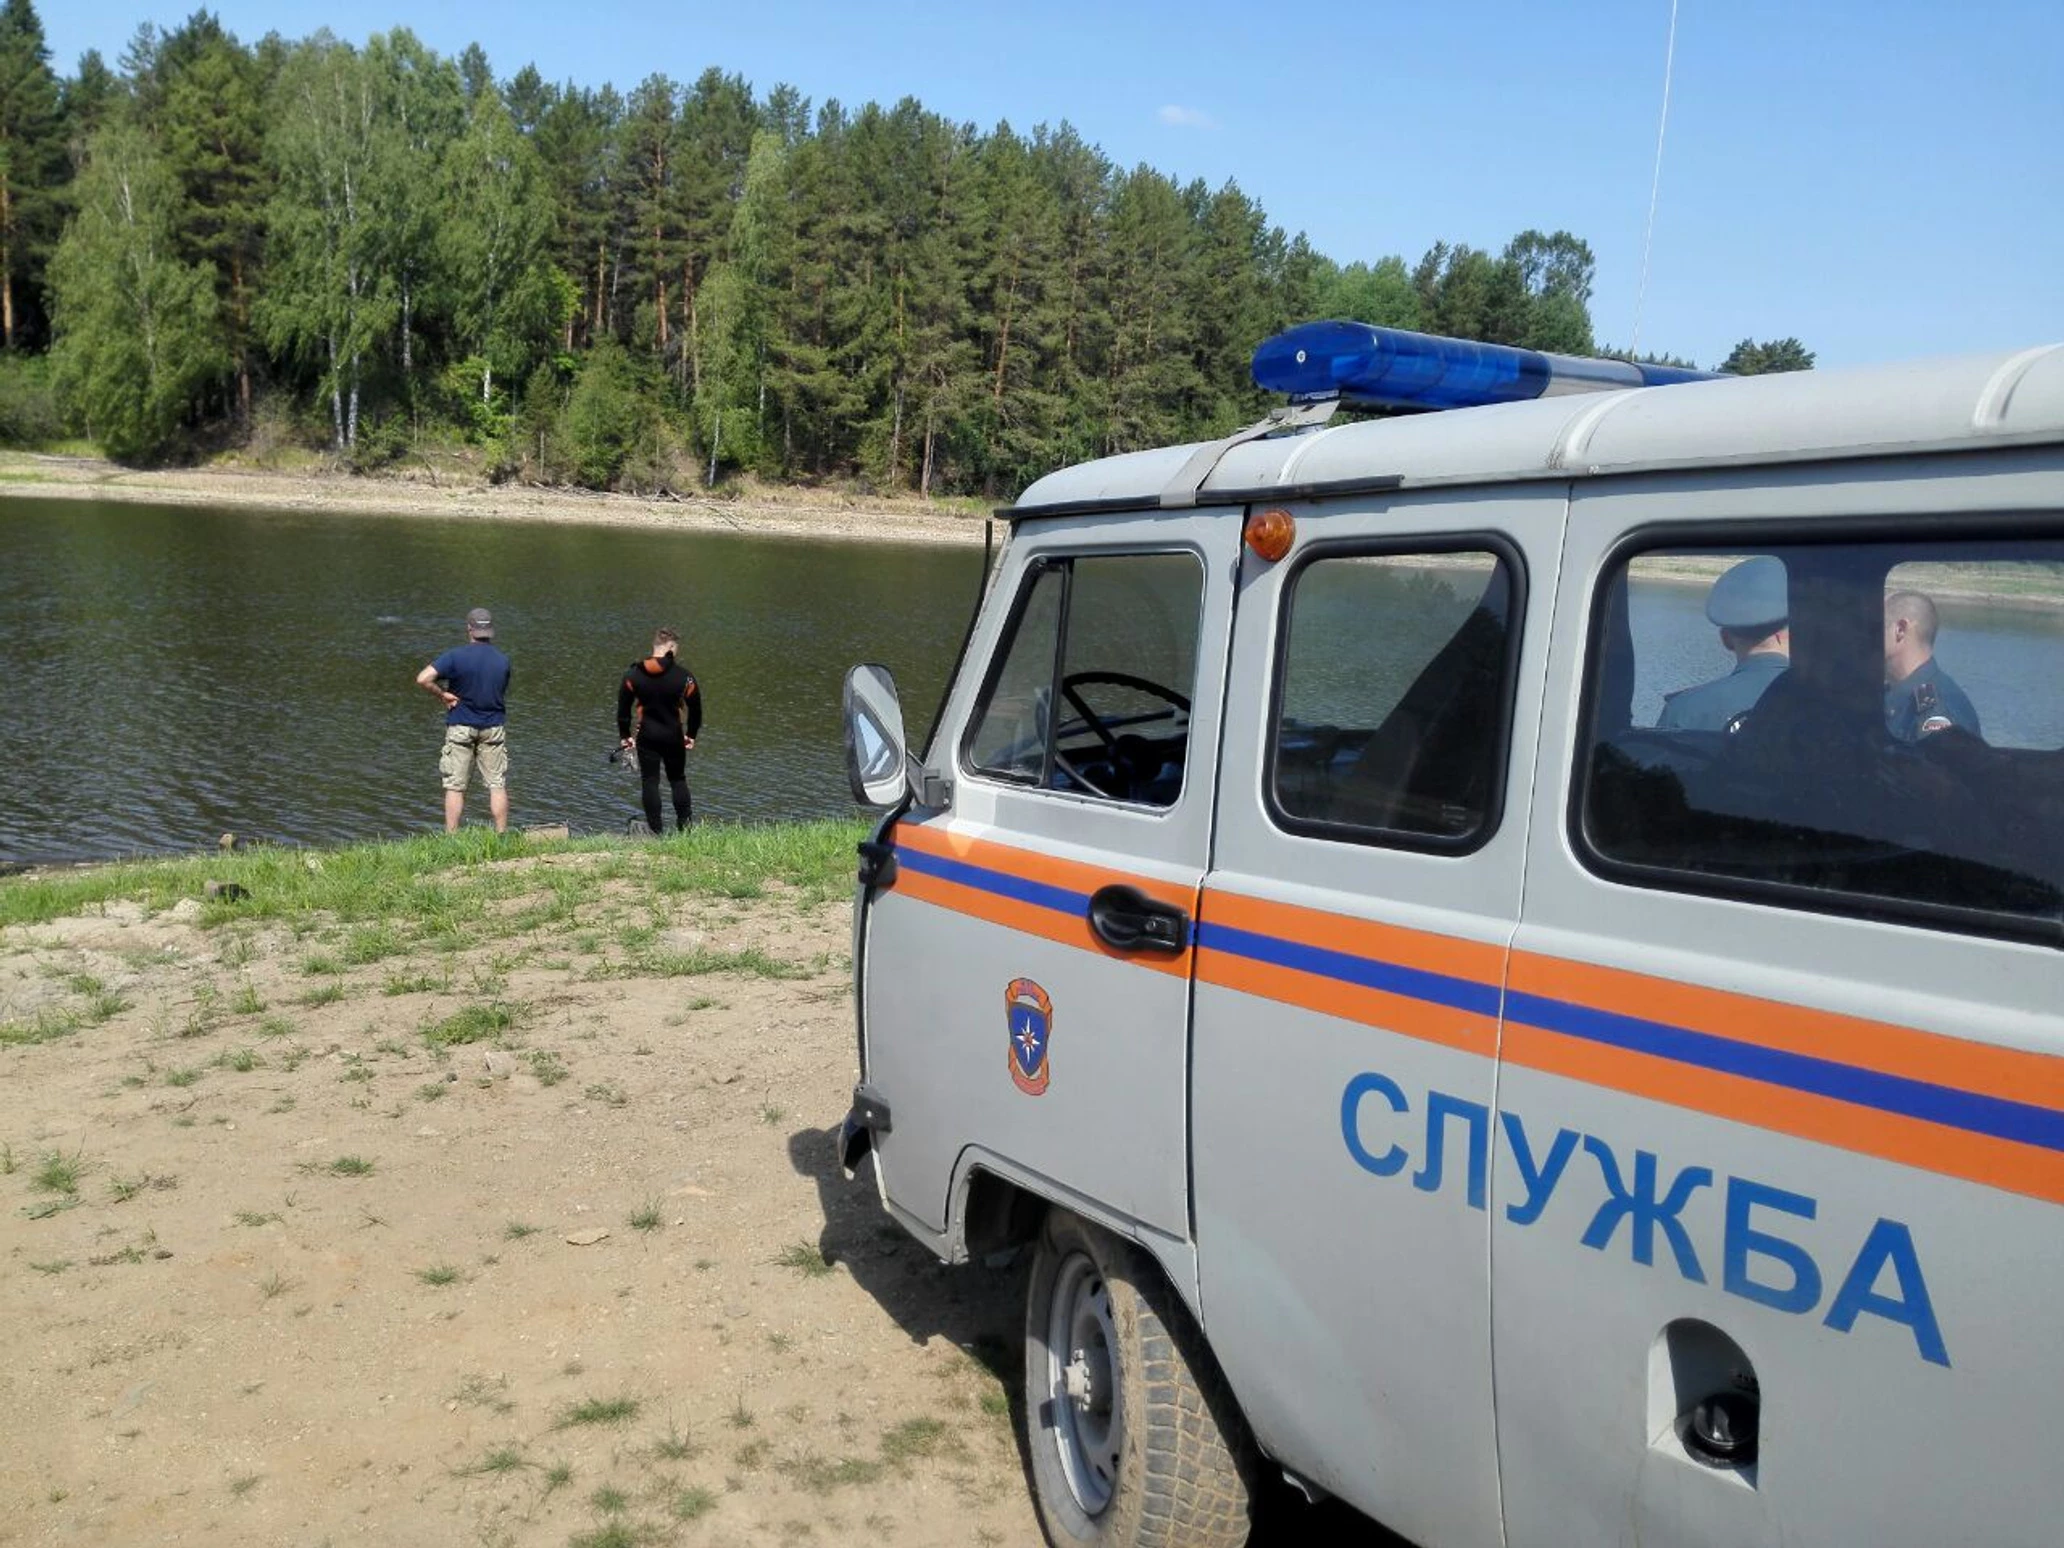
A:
(1171, 1466)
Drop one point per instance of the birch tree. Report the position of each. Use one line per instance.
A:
(136, 326)
(329, 303)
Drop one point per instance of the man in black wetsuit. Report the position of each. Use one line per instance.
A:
(659, 712)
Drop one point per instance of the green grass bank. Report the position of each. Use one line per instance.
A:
(443, 890)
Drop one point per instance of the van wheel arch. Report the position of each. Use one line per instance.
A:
(997, 1215)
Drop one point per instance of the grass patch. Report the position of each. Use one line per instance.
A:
(244, 1485)
(185, 1077)
(275, 1026)
(805, 1258)
(322, 994)
(122, 1189)
(246, 1002)
(819, 1476)
(101, 1005)
(372, 943)
(608, 1093)
(502, 1460)
(617, 1534)
(251, 1217)
(438, 877)
(438, 1275)
(647, 1216)
(58, 1172)
(46, 1026)
(547, 1066)
(413, 983)
(275, 1285)
(674, 1446)
(750, 961)
(473, 1023)
(321, 964)
(913, 1440)
(594, 1411)
(610, 1500)
(692, 1504)
(242, 1060)
(516, 1231)
(432, 1091)
(351, 1166)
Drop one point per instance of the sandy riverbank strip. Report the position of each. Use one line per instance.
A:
(784, 513)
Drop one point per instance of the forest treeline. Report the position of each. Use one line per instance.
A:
(370, 248)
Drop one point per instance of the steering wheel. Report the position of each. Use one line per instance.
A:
(1069, 691)
(1090, 718)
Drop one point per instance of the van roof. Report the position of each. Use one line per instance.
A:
(1932, 405)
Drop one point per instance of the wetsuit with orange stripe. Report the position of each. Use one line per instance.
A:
(660, 698)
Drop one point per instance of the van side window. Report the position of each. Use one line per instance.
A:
(1090, 692)
(1394, 696)
(1872, 727)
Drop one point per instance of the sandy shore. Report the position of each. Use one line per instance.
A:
(788, 513)
(527, 1234)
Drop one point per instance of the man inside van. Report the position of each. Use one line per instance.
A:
(1920, 698)
(1748, 605)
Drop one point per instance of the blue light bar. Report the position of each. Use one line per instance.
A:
(1394, 368)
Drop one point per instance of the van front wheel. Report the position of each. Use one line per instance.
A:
(1134, 1439)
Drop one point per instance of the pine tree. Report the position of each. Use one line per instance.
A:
(212, 128)
(32, 165)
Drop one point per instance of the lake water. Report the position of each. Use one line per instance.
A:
(168, 674)
(171, 673)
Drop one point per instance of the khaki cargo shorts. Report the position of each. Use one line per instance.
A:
(465, 746)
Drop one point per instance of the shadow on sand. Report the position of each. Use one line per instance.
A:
(980, 1310)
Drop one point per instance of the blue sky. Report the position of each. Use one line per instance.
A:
(1881, 180)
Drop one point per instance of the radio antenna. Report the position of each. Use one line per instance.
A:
(1655, 184)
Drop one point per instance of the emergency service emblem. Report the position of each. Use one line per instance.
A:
(1028, 1014)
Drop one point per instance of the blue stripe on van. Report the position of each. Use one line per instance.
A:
(1002, 883)
(1462, 994)
(1969, 1110)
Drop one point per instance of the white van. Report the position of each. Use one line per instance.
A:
(1430, 1061)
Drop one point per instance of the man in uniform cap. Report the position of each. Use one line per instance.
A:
(1749, 607)
(472, 682)
(1920, 698)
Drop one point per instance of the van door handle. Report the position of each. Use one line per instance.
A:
(1126, 919)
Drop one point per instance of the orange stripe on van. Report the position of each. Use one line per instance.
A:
(1930, 1147)
(951, 844)
(1371, 1007)
(2011, 1074)
(1066, 929)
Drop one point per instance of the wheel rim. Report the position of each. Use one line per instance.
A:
(1082, 1382)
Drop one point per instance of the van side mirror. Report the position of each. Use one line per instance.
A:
(876, 755)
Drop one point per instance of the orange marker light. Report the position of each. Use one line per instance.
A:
(1270, 534)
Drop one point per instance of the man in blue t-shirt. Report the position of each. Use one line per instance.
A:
(472, 680)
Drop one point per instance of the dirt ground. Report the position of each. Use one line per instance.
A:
(276, 1269)
(421, 492)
